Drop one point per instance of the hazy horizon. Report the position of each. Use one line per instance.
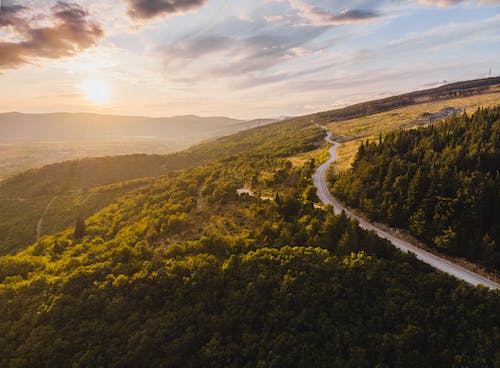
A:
(194, 114)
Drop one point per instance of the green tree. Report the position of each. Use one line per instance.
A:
(80, 229)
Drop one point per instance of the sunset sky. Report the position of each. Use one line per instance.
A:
(244, 59)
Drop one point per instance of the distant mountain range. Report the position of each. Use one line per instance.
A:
(33, 140)
(87, 127)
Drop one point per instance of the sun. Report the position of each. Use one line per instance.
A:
(96, 91)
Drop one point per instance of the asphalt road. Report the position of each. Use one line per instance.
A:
(435, 261)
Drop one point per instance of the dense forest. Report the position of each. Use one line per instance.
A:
(442, 182)
(183, 271)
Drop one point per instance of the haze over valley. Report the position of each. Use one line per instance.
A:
(34, 140)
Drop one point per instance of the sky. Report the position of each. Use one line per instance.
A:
(243, 59)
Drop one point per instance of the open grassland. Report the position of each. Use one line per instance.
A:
(352, 132)
(19, 156)
(318, 155)
(347, 152)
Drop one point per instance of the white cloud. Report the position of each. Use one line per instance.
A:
(439, 3)
(445, 35)
(319, 17)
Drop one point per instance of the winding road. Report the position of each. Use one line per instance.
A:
(435, 261)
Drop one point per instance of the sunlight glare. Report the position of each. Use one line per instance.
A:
(96, 91)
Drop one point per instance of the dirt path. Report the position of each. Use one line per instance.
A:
(40, 220)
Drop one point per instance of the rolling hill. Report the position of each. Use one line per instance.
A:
(94, 127)
(24, 198)
(442, 93)
(181, 271)
(34, 140)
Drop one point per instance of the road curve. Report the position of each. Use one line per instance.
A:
(435, 261)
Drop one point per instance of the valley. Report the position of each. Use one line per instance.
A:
(34, 140)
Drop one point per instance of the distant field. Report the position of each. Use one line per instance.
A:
(352, 132)
(18, 156)
(34, 140)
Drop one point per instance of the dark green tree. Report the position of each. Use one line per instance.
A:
(442, 182)
(80, 229)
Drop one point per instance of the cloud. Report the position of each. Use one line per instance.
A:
(262, 52)
(70, 32)
(439, 3)
(198, 47)
(451, 35)
(10, 15)
(451, 3)
(148, 9)
(319, 17)
(217, 56)
(268, 58)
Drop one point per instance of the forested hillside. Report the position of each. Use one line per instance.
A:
(84, 186)
(441, 182)
(184, 272)
(72, 188)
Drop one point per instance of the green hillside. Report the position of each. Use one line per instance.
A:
(182, 271)
(26, 197)
(78, 188)
(83, 186)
